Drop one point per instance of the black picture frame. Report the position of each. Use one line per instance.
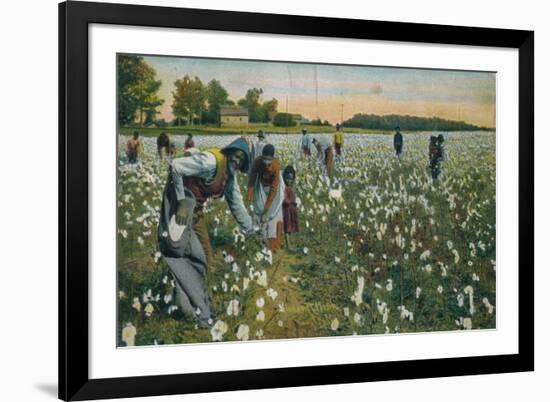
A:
(74, 18)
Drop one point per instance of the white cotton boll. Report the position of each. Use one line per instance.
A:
(149, 309)
(475, 278)
(306, 250)
(246, 282)
(233, 308)
(357, 296)
(425, 255)
(456, 256)
(262, 279)
(460, 299)
(167, 298)
(260, 316)
(440, 289)
(418, 291)
(469, 290)
(243, 332)
(346, 311)
(467, 324)
(357, 318)
(334, 324)
(228, 258)
(272, 293)
(260, 302)
(218, 330)
(389, 285)
(490, 308)
(129, 334)
(280, 323)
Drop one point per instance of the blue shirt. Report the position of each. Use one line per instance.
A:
(306, 141)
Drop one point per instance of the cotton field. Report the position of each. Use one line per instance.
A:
(382, 247)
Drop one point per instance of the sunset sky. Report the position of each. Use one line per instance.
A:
(454, 95)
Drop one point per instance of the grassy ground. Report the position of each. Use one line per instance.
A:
(397, 252)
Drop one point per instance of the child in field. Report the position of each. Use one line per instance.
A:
(266, 192)
(290, 210)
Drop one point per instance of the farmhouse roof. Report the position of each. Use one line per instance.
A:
(233, 111)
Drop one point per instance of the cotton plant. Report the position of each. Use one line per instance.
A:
(385, 208)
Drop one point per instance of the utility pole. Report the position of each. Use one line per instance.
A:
(287, 116)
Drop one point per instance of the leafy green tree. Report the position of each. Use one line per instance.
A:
(251, 101)
(216, 96)
(390, 121)
(137, 89)
(267, 109)
(284, 120)
(189, 99)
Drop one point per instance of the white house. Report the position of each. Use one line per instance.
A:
(233, 116)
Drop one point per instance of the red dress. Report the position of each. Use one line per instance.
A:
(290, 212)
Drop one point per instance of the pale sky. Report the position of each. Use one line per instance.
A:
(319, 90)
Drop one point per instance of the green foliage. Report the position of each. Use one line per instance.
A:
(251, 101)
(268, 109)
(216, 95)
(318, 122)
(390, 121)
(284, 120)
(137, 90)
(189, 98)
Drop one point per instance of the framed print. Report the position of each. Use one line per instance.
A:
(256, 200)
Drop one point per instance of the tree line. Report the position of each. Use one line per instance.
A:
(193, 101)
(406, 122)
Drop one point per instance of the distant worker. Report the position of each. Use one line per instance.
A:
(189, 143)
(338, 140)
(398, 141)
(163, 146)
(305, 143)
(134, 147)
(324, 153)
(259, 145)
(438, 157)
